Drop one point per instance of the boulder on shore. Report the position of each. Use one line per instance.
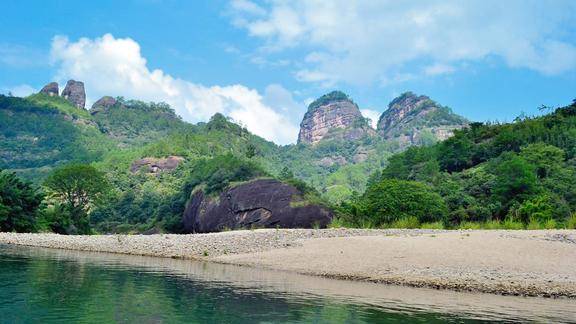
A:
(263, 203)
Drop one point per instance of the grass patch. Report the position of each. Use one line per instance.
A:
(533, 225)
(469, 225)
(571, 223)
(408, 222)
(511, 224)
(435, 225)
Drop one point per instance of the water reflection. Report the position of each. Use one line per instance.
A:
(68, 286)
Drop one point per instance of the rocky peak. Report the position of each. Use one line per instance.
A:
(74, 92)
(102, 104)
(414, 119)
(400, 107)
(334, 115)
(50, 89)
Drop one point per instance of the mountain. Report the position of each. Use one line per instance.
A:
(149, 154)
(418, 120)
(42, 131)
(334, 115)
(133, 122)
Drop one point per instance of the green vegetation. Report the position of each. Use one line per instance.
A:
(490, 176)
(77, 189)
(133, 122)
(19, 204)
(329, 97)
(507, 176)
(37, 134)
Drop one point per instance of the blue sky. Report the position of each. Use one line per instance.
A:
(262, 62)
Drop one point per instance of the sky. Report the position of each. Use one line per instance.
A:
(262, 62)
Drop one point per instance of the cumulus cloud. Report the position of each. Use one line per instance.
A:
(364, 41)
(116, 67)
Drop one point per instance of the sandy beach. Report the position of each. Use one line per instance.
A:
(529, 263)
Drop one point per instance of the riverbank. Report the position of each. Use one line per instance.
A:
(531, 263)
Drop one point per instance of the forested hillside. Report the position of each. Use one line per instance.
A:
(521, 174)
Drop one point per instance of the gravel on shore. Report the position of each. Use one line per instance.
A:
(192, 246)
(528, 263)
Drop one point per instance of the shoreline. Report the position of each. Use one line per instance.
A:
(525, 263)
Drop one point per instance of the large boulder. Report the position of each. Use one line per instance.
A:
(50, 89)
(74, 92)
(102, 104)
(331, 116)
(263, 203)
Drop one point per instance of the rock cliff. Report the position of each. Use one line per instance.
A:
(333, 115)
(417, 120)
(102, 104)
(154, 165)
(263, 203)
(50, 89)
(74, 92)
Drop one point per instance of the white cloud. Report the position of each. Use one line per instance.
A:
(22, 90)
(373, 115)
(438, 69)
(115, 66)
(364, 41)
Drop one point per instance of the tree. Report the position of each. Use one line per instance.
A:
(78, 188)
(515, 179)
(390, 200)
(19, 204)
(546, 158)
(250, 151)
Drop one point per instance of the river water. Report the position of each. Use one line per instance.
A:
(58, 286)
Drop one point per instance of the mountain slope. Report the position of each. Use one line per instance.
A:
(418, 120)
(39, 132)
(133, 122)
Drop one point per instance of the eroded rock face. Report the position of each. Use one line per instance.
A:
(333, 115)
(74, 92)
(155, 165)
(264, 203)
(102, 104)
(50, 89)
(418, 120)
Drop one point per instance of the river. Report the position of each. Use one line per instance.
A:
(59, 286)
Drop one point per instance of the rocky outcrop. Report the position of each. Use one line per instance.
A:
(417, 120)
(51, 89)
(102, 104)
(155, 165)
(263, 203)
(74, 92)
(333, 115)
